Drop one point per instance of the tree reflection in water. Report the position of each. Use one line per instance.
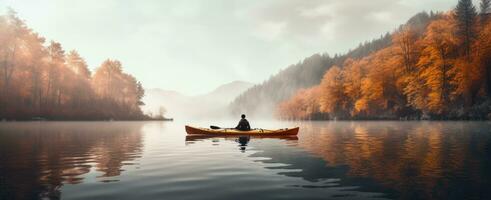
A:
(419, 160)
(37, 158)
(282, 156)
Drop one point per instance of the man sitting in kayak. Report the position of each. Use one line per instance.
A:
(243, 124)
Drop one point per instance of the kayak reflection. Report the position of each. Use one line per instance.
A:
(243, 140)
(194, 138)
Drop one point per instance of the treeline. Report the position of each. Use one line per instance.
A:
(261, 99)
(441, 70)
(41, 81)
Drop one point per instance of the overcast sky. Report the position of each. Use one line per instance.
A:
(193, 46)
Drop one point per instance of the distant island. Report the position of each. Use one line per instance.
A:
(437, 66)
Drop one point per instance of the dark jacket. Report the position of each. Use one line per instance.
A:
(243, 125)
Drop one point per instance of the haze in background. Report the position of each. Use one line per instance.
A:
(195, 46)
(204, 106)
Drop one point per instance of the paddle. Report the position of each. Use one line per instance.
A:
(215, 127)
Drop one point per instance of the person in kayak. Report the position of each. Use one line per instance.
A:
(243, 124)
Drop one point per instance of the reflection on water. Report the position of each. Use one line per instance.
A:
(156, 160)
(419, 160)
(243, 141)
(312, 179)
(317, 174)
(36, 159)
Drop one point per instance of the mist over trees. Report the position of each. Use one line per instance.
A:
(40, 80)
(440, 70)
(261, 99)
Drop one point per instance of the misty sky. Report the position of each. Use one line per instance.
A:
(195, 45)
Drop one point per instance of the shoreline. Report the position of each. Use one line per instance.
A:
(345, 120)
(87, 120)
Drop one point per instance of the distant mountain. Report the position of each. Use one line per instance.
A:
(227, 92)
(210, 105)
(262, 99)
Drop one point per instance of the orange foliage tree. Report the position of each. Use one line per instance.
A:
(437, 66)
(333, 99)
(304, 105)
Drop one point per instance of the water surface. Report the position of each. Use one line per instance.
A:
(328, 160)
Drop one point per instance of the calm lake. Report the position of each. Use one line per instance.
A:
(328, 160)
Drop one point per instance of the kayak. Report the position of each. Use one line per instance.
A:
(254, 132)
(227, 131)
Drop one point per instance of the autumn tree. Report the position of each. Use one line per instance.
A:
(302, 106)
(436, 63)
(381, 94)
(12, 31)
(106, 77)
(81, 87)
(117, 89)
(353, 73)
(406, 41)
(35, 64)
(407, 49)
(333, 99)
(56, 62)
(77, 64)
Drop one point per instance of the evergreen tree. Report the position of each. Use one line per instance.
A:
(485, 11)
(465, 14)
(140, 93)
(485, 6)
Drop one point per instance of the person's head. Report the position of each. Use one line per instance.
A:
(242, 116)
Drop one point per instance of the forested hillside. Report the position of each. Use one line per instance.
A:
(39, 80)
(438, 71)
(261, 99)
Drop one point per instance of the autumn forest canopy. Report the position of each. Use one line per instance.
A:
(40, 80)
(438, 68)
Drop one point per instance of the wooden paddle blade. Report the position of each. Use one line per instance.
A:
(215, 127)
